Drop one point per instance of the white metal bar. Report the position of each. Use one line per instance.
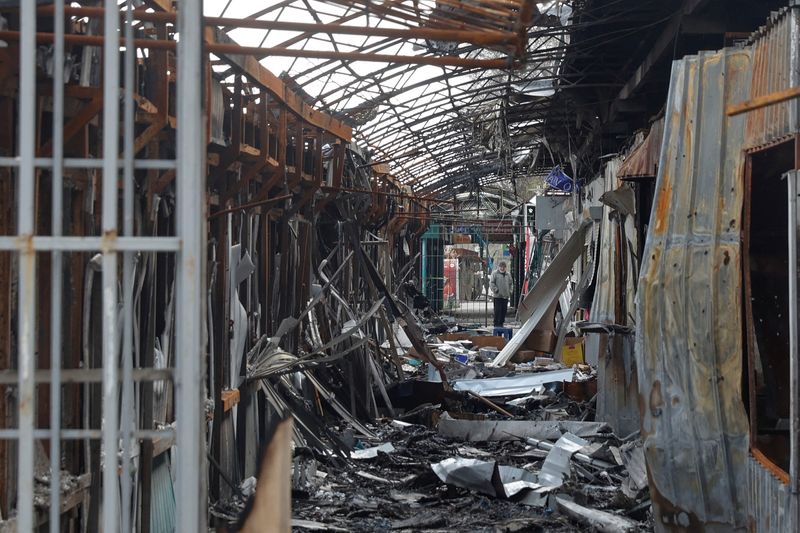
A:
(27, 265)
(110, 387)
(56, 272)
(92, 434)
(91, 244)
(87, 162)
(128, 418)
(86, 375)
(794, 347)
(190, 420)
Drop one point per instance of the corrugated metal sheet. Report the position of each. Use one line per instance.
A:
(162, 504)
(217, 131)
(776, 47)
(688, 339)
(769, 501)
(604, 306)
(617, 387)
(643, 159)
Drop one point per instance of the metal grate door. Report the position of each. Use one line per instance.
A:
(117, 244)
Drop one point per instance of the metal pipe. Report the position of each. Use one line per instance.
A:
(90, 244)
(191, 491)
(110, 409)
(478, 37)
(582, 457)
(381, 193)
(794, 346)
(87, 163)
(235, 49)
(251, 205)
(129, 134)
(27, 266)
(56, 272)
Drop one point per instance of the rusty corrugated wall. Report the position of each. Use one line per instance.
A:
(769, 500)
(689, 331)
(776, 46)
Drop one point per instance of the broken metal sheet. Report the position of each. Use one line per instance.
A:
(241, 267)
(632, 455)
(472, 474)
(617, 238)
(598, 520)
(642, 161)
(622, 199)
(556, 466)
(522, 384)
(488, 430)
(515, 480)
(371, 453)
(546, 291)
(558, 271)
(487, 477)
(688, 326)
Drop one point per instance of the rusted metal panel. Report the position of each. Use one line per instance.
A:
(617, 386)
(769, 500)
(643, 159)
(689, 332)
(603, 303)
(776, 67)
(615, 286)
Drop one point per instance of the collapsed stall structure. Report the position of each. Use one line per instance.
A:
(710, 290)
(225, 231)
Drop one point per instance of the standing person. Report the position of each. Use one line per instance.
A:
(500, 284)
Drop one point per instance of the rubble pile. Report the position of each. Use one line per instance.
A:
(512, 447)
(477, 471)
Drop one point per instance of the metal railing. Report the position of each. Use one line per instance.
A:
(118, 430)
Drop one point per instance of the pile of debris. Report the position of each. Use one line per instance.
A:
(404, 421)
(473, 471)
(507, 449)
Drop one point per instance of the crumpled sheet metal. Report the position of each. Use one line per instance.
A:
(491, 479)
(642, 161)
(556, 466)
(688, 336)
(498, 430)
(603, 308)
(472, 474)
(518, 385)
(546, 291)
(487, 477)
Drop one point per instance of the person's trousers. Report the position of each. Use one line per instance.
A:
(500, 308)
